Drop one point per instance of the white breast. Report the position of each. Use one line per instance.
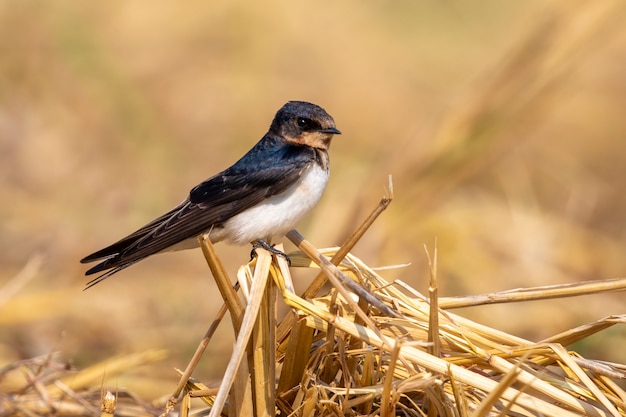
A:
(278, 214)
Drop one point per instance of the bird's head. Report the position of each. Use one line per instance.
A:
(304, 123)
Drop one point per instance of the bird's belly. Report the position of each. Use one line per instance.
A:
(278, 214)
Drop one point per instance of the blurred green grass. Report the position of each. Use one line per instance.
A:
(501, 123)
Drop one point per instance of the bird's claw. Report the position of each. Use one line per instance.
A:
(270, 248)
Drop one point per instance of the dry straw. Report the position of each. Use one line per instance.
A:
(387, 351)
(333, 362)
(339, 355)
(368, 347)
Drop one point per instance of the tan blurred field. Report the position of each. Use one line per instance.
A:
(502, 124)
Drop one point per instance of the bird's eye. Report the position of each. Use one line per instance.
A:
(303, 122)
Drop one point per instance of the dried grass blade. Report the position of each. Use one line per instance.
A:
(296, 357)
(616, 390)
(460, 399)
(494, 396)
(574, 335)
(261, 276)
(584, 378)
(387, 406)
(185, 406)
(544, 387)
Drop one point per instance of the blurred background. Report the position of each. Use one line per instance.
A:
(502, 124)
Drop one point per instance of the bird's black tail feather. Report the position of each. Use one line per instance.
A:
(99, 268)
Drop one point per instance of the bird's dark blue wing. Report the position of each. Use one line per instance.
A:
(269, 168)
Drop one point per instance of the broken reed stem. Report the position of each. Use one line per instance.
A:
(338, 278)
(232, 301)
(570, 336)
(535, 293)
(264, 352)
(259, 282)
(341, 253)
(434, 342)
(347, 246)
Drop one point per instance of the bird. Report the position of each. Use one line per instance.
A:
(260, 197)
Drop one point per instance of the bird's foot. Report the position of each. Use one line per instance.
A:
(260, 243)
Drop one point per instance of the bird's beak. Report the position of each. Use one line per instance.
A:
(332, 130)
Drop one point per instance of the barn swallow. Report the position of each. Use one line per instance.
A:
(263, 195)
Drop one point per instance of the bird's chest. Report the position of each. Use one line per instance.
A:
(280, 213)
